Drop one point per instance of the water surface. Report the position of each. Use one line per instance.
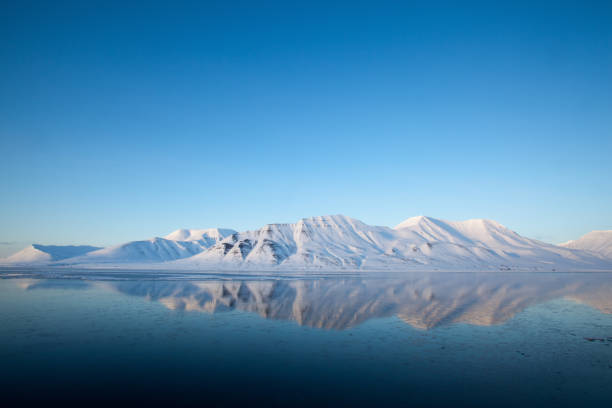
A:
(438, 339)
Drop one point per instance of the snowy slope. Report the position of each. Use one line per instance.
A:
(419, 243)
(36, 253)
(486, 243)
(152, 250)
(320, 242)
(179, 244)
(206, 237)
(599, 242)
(337, 242)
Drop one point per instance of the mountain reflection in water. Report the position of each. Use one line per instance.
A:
(424, 300)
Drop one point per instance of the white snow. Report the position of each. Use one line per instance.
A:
(419, 243)
(179, 244)
(152, 250)
(599, 242)
(206, 237)
(337, 242)
(35, 253)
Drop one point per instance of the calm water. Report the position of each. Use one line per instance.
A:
(417, 339)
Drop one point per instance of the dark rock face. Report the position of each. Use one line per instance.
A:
(245, 247)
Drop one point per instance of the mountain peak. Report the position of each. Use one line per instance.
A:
(599, 241)
(412, 221)
(199, 234)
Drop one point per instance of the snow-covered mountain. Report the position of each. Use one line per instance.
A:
(206, 237)
(152, 250)
(37, 254)
(419, 243)
(337, 242)
(599, 242)
(330, 241)
(485, 243)
(179, 244)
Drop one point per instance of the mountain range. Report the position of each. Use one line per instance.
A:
(337, 242)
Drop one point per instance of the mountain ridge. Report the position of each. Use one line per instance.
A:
(599, 241)
(338, 242)
(37, 253)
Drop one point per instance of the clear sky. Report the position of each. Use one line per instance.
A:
(120, 121)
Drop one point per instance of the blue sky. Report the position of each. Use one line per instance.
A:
(121, 122)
